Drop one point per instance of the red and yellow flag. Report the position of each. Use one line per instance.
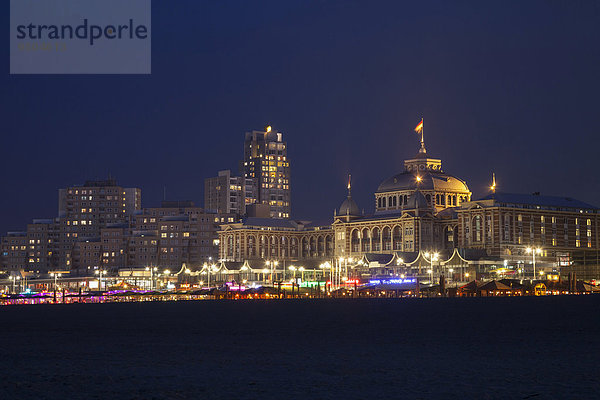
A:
(419, 127)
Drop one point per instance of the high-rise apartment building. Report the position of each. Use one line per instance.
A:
(267, 172)
(85, 210)
(97, 204)
(224, 194)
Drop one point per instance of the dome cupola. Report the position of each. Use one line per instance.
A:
(349, 206)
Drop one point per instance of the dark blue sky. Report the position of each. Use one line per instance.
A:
(510, 87)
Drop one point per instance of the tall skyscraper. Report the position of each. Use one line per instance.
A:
(267, 172)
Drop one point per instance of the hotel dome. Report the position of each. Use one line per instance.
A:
(429, 180)
(349, 207)
(423, 174)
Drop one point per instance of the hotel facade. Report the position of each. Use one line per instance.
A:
(424, 219)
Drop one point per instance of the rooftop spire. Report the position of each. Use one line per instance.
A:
(349, 184)
(419, 129)
(493, 187)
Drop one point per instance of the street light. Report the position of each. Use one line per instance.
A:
(301, 269)
(244, 268)
(99, 272)
(15, 279)
(208, 270)
(326, 266)
(338, 270)
(166, 273)
(399, 262)
(213, 269)
(273, 265)
(292, 268)
(351, 261)
(152, 272)
(432, 257)
(55, 275)
(533, 252)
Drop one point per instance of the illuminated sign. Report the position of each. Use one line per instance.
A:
(391, 281)
(235, 287)
(311, 284)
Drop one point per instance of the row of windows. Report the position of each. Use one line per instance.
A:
(94, 191)
(440, 199)
(506, 232)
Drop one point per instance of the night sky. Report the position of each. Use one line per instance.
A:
(510, 87)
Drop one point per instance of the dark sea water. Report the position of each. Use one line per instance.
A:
(485, 348)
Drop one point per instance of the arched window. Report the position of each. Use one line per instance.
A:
(477, 228)
(387, 238)
(379, 202)
(366, 240)
(397, 238)
(383, 203)
(376, 237)
(355, 240)
(449, 237)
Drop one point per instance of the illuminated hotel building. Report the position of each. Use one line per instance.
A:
(423, 211)
(267, 172)
(257, 239)
(505, 225)
(414, 210)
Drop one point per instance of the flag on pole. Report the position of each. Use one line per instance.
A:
(419, 127)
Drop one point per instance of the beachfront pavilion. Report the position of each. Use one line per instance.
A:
(257, 271)
(455, 265)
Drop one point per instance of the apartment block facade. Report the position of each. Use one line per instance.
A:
(102, 226)
(224, 194)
